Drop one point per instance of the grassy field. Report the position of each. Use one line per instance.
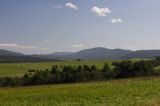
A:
(131, 92)
(18, 69)
(126, 92)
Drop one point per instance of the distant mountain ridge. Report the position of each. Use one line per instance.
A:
(98, 53)
(143, 54)
(13, 57)
(57, 54)
(9, 53)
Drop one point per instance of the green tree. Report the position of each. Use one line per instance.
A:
(106, 71)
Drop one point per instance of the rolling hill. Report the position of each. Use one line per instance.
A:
(12, 57)
(9, 53)
(143, 54)
(97, 53)
(100, 53)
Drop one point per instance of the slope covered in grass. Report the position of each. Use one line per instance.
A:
(131, 92)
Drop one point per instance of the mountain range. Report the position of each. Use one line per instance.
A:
(12, 57)
(98, 53)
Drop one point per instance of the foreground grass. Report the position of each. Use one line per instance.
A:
(19, 69)
(132, 92)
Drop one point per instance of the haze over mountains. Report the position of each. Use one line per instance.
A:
(97, 53)
(100, 53)
(12, 57)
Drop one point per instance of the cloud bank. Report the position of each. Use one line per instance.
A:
(116, 20)
(58, 6)
(101, 11)
(18, 46)
(71, 5)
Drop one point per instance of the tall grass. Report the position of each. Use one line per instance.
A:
(132, 92)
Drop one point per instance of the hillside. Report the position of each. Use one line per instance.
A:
(143, 54)
(100, 53)
(129, 92)
(13, 57)
(9, 53)
(97, 53)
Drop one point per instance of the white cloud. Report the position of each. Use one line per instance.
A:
(131, 47)
(116, 20)
(78, 45)
(101, 11)
(18, 46)
(58, 6)
(71, 5)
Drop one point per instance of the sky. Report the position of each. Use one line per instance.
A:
(46, 26)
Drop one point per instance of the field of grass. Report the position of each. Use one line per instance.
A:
(129, 92)
(126, 92)
(18, 69)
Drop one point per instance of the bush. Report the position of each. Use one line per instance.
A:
(31, 70)
(9, 81)
(123, 69)
(127, 69)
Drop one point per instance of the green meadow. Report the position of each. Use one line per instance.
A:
(129, 92)
(19, 69)
(143, 91)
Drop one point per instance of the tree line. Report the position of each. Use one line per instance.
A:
(84, 73)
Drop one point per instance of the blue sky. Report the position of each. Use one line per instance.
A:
(44, 26)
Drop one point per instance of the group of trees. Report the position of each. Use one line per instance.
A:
(69, 74)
